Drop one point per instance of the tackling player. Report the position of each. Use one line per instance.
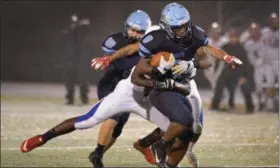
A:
(135, 26)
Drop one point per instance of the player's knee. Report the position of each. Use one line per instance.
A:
(197, 128)
(178, 145)
(186, 136)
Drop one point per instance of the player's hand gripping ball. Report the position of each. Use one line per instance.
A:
(164, 61)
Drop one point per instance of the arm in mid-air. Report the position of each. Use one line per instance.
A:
(218, 53)
(125, 51)
(103, 62)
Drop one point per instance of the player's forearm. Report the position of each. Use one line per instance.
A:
(139, 79)
(125, 51)
(212, 51)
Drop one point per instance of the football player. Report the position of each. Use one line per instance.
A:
(135, 26)
(126, 97)
(178, 36)
(193, 41)
(255, 50)
(216, 40)
(270, 39)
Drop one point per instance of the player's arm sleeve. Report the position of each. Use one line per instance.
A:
(145, 47)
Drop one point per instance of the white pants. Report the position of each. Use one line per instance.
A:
(125, 99)
(270, 72)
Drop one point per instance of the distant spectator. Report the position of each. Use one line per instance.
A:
(77, 59)
(230, 78)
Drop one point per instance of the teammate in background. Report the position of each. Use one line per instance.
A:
(255, 49)
(270, 39)
(216, 40)
(135, 27)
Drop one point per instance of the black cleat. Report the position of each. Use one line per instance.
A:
(163, 164)
(160, 153)
(96, 160)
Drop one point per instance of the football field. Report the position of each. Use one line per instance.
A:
(228, 139)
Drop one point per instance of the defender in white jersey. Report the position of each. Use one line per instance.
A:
(255, 49)
(216, 40)
(270, 40)
(126, 97)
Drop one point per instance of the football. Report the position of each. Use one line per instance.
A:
(156, 58)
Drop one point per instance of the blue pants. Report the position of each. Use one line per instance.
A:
(173, 105)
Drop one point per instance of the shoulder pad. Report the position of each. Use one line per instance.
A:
(113, 42)
(200, 36)
(150, 42)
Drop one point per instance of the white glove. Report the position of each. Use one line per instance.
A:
(184, 67)
(164, 65)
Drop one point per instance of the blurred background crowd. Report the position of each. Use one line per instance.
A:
(55, 41)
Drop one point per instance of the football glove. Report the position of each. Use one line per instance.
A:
(164, 85)
(183, 67)
(100, 63)
(232, 60)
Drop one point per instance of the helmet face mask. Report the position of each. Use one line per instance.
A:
(176, 21)
(134, 34)
(136, 25)
(181, 31)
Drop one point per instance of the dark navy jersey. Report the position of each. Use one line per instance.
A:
(158, 41)
(119, 69)
(115, 42)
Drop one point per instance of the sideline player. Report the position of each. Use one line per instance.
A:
(135, 26)
(255, 50)
(270, 39)
(216, 40)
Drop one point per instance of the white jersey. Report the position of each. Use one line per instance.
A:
(270, 39)
(255, 51)
(128, 97)
(210, 73)
(245, 36)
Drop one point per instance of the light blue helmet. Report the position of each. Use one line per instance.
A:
(138, 20)
(175, 16)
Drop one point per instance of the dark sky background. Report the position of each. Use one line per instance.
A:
(32, 43)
